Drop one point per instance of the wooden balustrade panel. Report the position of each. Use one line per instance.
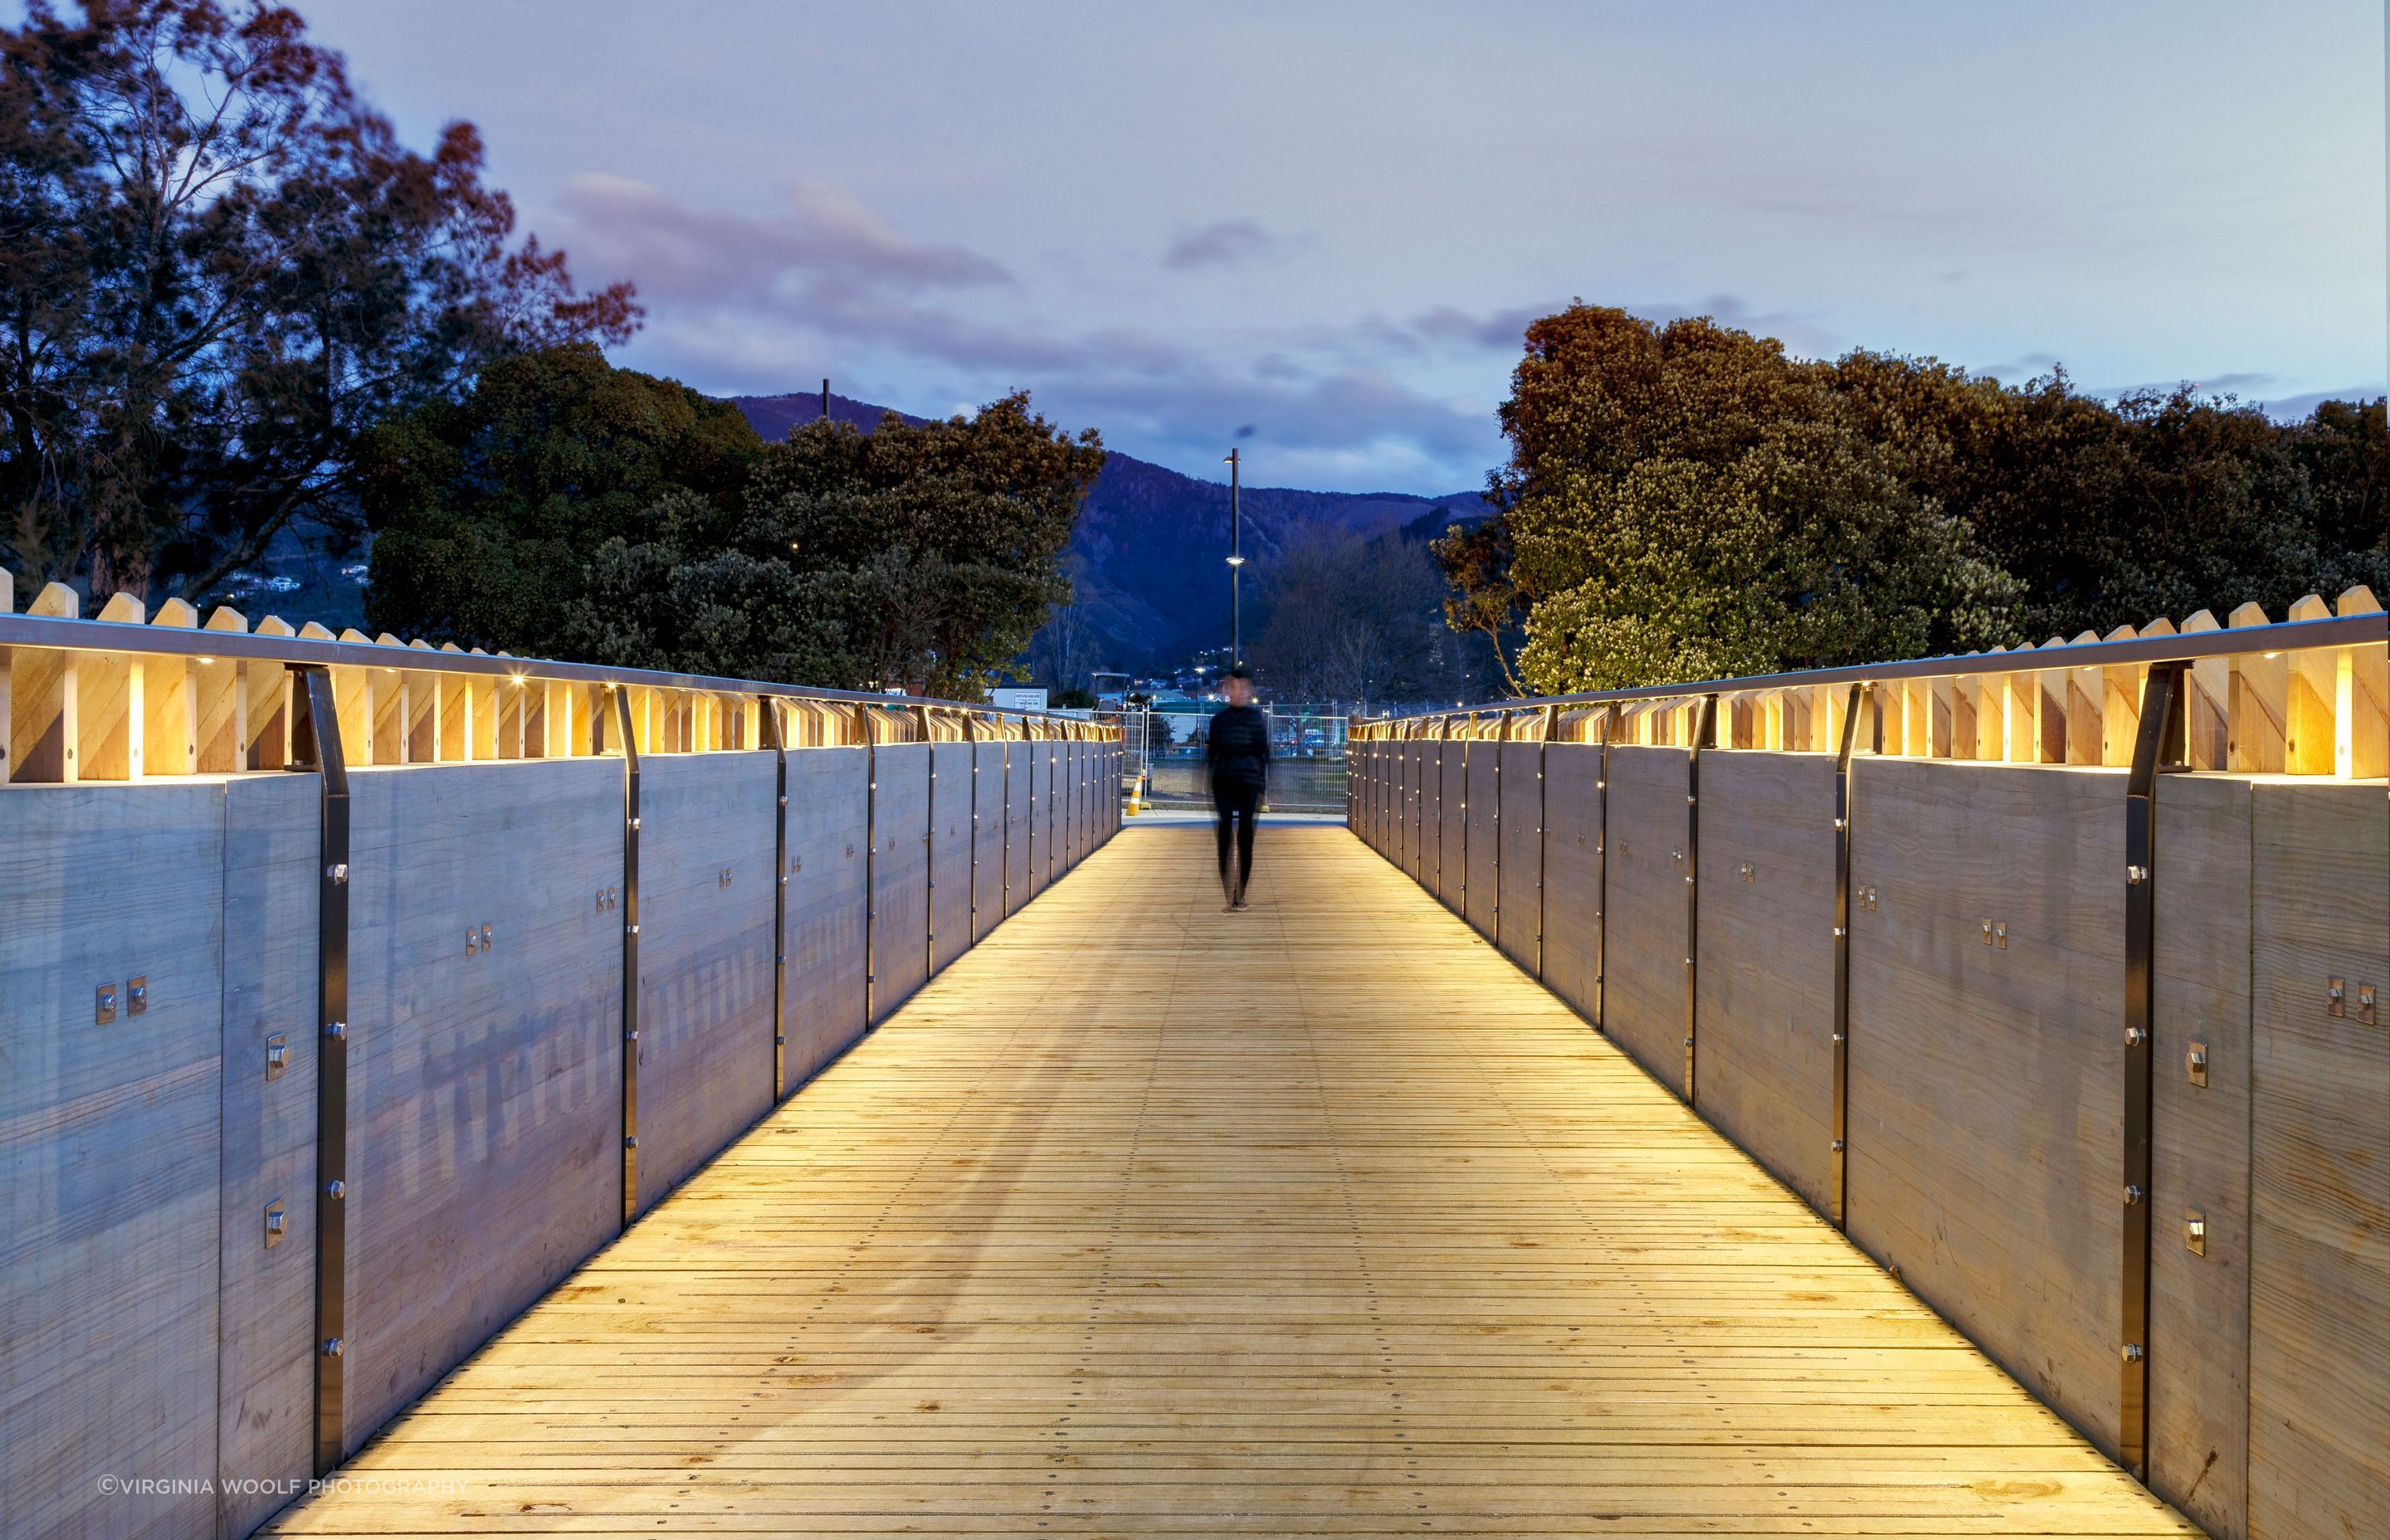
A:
(705, 957)
(900, 876)
(2319, 1274)
(1395, 804)
(950, 854)
(1987, 1083)
(1452, 851)
(1572, 873)
(1020, 846)
(1480, 892)
(1643, 1000)
(823, 1007)
(1766, 1012)
(108, 1138)
(1416, 812)
(1391, 767)
(2199, 1314)
(485, 1087)
(1523, 815)
(1048, 859)
(265, 1369)
(1074, 803)
(988, 803)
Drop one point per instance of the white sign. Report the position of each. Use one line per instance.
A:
(1016, 700)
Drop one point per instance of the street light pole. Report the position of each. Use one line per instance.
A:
(1236, 568)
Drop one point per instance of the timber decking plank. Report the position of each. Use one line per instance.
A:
(1319, 1219)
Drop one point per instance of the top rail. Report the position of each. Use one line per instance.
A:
(2308, 695)
(2285, 637)
(134, 636)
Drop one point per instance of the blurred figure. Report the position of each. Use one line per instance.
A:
(1238, 752)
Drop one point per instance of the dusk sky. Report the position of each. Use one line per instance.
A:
(1327, 224)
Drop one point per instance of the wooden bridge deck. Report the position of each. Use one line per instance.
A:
(1147, 1219)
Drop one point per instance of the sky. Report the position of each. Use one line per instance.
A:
(1314, 231)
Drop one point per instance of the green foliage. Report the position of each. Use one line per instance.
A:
(570, 509)
(220, 267)
(1075, 699)
(1685, 502)
(1475, 559)
(920, 556)
(488, 511)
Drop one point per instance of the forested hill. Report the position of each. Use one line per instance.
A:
(1147, 558)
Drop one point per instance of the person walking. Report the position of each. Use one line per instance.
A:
(1238, 752)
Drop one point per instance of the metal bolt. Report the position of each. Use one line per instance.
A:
(1838, 1147)
(2133, 1195)
(336, 1189)
(632, 1142)
(338, 872)
(2132, 1352)
(331, 1347)
(336, 1031)
(2134, 875)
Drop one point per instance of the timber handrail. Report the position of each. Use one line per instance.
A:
(2304, 695)
(167, 640)
(128, 696)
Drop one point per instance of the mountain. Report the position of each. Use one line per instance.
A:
(1149, 558)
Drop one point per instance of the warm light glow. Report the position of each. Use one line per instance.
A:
(1236, 561)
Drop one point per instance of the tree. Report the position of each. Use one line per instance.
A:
(567, 509)
(1066, 649)
(219, 269)
(1685, 502)
(1475, 559)
(921, 556)
(489, 512)
(1343, 618)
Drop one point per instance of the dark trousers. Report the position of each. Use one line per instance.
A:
(1237, 805)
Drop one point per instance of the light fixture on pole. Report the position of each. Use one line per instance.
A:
(1236, 568)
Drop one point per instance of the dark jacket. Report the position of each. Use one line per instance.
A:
(1238, 748)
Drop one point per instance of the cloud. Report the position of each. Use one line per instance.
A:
(2016, 371)
(818, 245)
(1500, 331)
(1219, 245)
(2300, 407)
(737, 299)
(1504, 330)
